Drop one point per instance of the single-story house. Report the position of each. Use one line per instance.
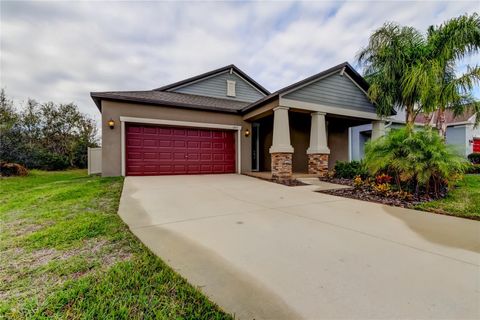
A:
(223, 121)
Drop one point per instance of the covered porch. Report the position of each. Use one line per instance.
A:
(305, 128)
(295, 143)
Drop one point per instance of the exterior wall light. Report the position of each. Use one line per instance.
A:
(247, 132)
(111, 123)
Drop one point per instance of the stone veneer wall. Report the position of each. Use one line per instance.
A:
(281, 165)
(318, 164)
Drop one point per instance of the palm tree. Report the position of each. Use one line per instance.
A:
(391, 52)
(410, 71)
(434, 76)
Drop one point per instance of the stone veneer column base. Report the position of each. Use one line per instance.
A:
(318, 164)
(281, 166)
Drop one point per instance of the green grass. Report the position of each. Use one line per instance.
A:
(65, 254)
(463, 201)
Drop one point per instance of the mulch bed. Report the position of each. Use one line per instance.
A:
(288, 183)
(346, 182)
(367, 194)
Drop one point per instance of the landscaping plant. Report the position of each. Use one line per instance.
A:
(416, 72)
(418, 160)
(349, 170)
(474, 157)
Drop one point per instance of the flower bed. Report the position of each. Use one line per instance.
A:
(378, 190)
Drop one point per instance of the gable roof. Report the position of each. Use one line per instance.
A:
(345, 65)
(211, 73)
(155, 97)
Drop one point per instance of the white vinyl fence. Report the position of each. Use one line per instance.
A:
(94, 160)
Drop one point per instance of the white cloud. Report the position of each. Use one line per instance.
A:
(61, 51)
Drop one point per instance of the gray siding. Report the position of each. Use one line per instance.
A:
(359, 135)
(216, 86)
(336, 91)
(457, 137)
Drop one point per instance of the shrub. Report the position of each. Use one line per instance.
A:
(474, 157)
(383, 188)
(12, 169)
(416, 159)
(383, 178)
(357, 182)
(473, 169)
(349, 170)
(51, 161)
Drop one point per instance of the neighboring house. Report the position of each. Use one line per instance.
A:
(223, 121)
(461, 132)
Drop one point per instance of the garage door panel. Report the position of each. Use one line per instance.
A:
(193, 168)
(132, 130)
(158, 150)
(179, 132)
(193, 144)
(218, 146)
(165, 156)
(150, 156)
(206, 157)
(165, 143)
(205, 134)
(134, 142)
(205, 145)
(218, 157)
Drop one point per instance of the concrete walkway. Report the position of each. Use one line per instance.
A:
(266, 251)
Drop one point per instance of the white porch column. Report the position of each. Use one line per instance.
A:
(318, 151)
(318, 135)
(378, 129)
(281, 150)
(281, 131)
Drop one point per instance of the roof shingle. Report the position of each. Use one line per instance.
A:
(164, 98)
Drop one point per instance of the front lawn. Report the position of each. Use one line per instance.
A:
(463, 201)
(65, 253)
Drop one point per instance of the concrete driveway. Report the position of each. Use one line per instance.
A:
(263, 250)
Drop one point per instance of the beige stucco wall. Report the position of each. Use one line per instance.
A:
(111, 139)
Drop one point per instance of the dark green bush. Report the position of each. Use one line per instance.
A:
(51, 161)
(349, 170)
(473, 169)
(474, 157)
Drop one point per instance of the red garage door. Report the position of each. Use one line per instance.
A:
(159, 150)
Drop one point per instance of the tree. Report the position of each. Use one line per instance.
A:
(391, 52)
(9, 129)
(435, 75)
(45, 136)
(410, 71)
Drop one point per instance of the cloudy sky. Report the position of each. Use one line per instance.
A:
(61, 51)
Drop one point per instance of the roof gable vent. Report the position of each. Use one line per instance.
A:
(231, 88)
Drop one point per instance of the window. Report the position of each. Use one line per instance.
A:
(231, 88)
